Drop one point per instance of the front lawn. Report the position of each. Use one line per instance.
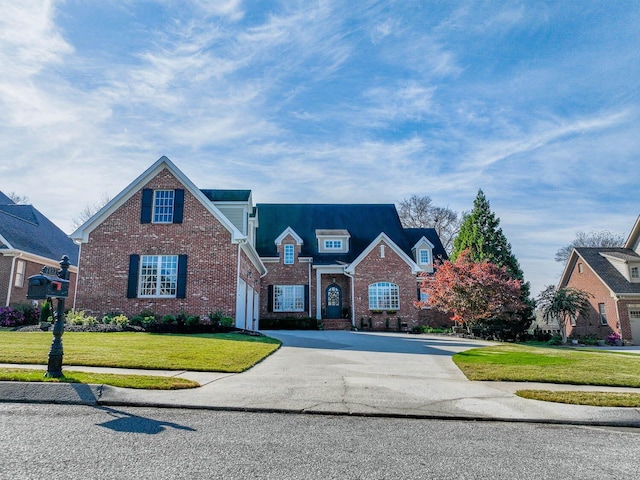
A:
(227, 352)
(520, 363)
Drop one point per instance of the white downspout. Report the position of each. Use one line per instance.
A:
(353, 298)
(75, 290)
(318, 298)
(310, 307)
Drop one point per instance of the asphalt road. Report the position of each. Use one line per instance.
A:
(78, 442)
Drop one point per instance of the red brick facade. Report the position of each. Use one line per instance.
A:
(584, 278)
(212, 265)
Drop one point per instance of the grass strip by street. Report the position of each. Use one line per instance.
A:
(230, 352)
(523, 363)
(596, 399)
(150, 382)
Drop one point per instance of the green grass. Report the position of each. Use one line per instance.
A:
(520, 363)
(206, 352)
(596, 399)
(150, 382)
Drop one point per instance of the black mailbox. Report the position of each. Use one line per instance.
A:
(43, 286)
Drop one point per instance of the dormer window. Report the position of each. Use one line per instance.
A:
(333, 241)
(635, 273)
(423, 257)
(423, 254)
(333, 244)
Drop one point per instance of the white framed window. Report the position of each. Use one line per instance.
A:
(424, 297)
(21, 266)
(635, 273)
(580, 269)
(333, 244)
(423, 257)
(163, 202)
(288, 254)
(288, 298)
(384, 296)
(158, 276)
(603, 313)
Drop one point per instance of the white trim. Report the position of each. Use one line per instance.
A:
(30, 257)
(6, 243)
(288, 231)
(415, 269)
(81, 235)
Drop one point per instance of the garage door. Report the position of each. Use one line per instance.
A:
(634, 319)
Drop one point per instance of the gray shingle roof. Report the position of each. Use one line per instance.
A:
(364, 222)
(606, 271)
(27, 230)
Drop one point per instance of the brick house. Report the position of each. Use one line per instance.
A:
(162, 244)
(28, 242)
(343, 264)
(612, 277)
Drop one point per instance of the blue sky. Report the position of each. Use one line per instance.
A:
(537, 103)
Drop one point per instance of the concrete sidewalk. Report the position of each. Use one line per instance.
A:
(345, 373)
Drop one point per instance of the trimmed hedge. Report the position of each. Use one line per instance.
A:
(289, 323)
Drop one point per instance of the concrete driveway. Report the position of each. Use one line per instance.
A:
(347, 373)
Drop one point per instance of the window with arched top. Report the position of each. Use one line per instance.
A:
(384, 296)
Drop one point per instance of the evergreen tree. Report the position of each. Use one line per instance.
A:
(481, 235)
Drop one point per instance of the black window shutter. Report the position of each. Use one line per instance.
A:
(306, 298)
(178, 205)
(270, 298)
(181, 291)
(132, 282)
(147, 205)
(418, 293)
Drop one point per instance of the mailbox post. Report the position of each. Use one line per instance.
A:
(43, 287)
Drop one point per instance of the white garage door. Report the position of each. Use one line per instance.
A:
(634, 318)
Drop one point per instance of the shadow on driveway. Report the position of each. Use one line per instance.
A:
(373, 342)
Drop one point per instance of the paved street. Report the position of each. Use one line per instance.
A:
(72, 442)
(346, 373)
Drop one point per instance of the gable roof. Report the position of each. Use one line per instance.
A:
(633, 241)
(24, 228)
(595, 258)
(217, 195)
(384, 238)
(82, 233)
(364, 222)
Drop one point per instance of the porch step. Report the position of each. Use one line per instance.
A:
(336, 324)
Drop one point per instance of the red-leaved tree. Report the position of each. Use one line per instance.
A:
(473, 292)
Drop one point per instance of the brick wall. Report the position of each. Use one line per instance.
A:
(281, 274)
(390, 268)
(589, 282)
(212, 259)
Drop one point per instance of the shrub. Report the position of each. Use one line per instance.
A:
(226, 322)
(192, 321)
(10, 317)
(120, 320)
(590, 339)
(168, 320)
(613, 338)
(30, 312)
(80, 318)
(45, 311)
(555, 340)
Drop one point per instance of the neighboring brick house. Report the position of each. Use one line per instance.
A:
(28, 242)
(164, 245)
(612, 277)
(344, 264)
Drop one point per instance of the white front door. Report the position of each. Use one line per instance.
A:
(634, 320)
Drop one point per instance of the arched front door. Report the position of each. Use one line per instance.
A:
(333, 297)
